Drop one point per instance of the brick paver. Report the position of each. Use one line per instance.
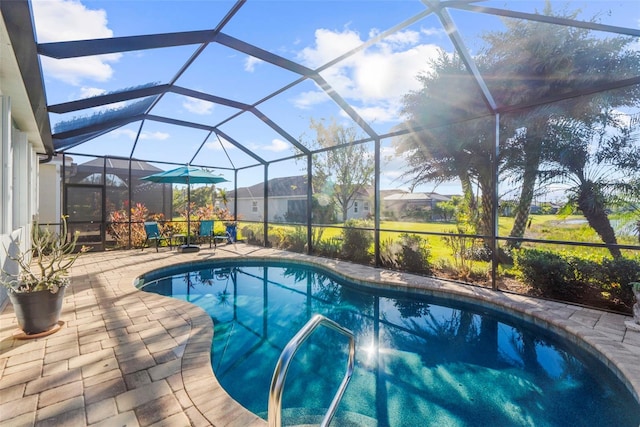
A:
(128, 358)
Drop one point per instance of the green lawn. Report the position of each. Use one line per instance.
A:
(544, 227)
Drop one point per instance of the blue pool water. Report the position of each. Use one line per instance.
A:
(420, 361)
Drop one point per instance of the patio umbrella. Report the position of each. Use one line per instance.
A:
(186, 175)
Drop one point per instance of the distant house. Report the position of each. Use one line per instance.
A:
(287, 201)
(508, 208)
(404, 204)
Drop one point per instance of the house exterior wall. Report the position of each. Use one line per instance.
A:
(359, 209)
(245, 209)
(279, 206)
(18, 189)
(252, 209)
(6, 173)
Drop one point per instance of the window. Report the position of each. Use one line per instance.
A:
(355, 207)
(366, 206)
(296, 211)
(254, 206)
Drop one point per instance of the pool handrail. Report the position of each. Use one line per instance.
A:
(280, 372)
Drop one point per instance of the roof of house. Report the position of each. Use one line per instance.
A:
(288, 186)
(285, 186)
(416, 197)
(386, 193)
(121, 164)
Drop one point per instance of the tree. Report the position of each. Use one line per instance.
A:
(343, 172)
(222, 194)
(447, 209)
(531, 61)
(450, 144)
(597, 158)
(201, 196)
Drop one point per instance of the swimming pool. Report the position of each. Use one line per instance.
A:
(420, 360)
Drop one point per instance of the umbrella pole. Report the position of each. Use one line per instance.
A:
(188, 247)
(188, 213)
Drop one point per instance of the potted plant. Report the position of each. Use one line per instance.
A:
(635, 287)
(37, 290)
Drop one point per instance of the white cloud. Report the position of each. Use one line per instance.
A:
(159, 136)
(401, 38)
(433, 31)
(215, 144)
(308, 99)
(277, 145)
(389, 75)
(75, 70)
(379, 113)
(198, 106)
(251, 62)
(373, 80)
(61, 20)
(329, 45)
(131, 134)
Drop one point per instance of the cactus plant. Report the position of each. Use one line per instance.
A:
(46, 266)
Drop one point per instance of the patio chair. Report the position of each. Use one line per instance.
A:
(206, 230)
(152, 232)
(219, 239)
(232, 234)
(228, 237)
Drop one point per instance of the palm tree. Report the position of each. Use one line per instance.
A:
(597, 159)
(446, 143)
(222, 194)
(531, 61)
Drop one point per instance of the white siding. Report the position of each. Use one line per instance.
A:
(18, 190)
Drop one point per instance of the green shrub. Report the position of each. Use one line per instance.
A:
(556, 274)
(294, 240)
(357, 242)
(546, 271)
(410, 253)
(415, 253)
(253, 234)
(621, 272)
(389, 253)
(276, 236)
(463, 249)
(330, 248)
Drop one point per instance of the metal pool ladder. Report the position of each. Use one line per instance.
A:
(280, 372)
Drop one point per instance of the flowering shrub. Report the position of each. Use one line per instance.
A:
(119, 227)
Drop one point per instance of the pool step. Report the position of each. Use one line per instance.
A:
(312, 417)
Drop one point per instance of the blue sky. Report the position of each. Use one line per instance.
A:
(310, 32)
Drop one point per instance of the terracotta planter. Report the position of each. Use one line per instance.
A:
(37, 311)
